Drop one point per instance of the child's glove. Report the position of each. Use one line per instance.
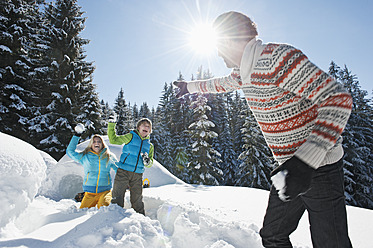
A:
(113, 118)
(182, 86)
(292, 178)
(79, 129)
(145, 158)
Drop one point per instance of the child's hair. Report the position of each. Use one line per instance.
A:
(142, 121)
(106, 154)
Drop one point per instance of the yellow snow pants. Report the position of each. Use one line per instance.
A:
(92, 199)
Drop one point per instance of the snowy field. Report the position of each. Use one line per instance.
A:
(38, 209)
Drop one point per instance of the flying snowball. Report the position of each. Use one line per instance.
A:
(79, 128)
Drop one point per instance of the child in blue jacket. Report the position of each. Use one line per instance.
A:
(97, 161)
(137, 153)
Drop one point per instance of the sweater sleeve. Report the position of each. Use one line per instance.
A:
(333, 103)
(117, 139)
(71, 150)
(217, 85)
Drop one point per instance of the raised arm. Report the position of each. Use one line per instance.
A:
(71, 149)
(117, 139)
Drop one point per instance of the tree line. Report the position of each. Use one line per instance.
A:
(46, 88)
(46, 82)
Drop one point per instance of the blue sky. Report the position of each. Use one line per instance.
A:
(139, 45)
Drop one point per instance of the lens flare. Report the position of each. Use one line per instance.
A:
(203, 39)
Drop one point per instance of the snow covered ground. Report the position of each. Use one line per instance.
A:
(37, 209)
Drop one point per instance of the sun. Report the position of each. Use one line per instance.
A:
(202, 39)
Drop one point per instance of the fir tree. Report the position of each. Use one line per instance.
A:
(125, 121)
(257, 160)
(156, 132)
(223, 143)
(170, 132)
(70, 77)
(107, 112)
(357, 142)
(40, 122)
(135, 113)
(144, 111)
(235, 107)
(152, 114)
(90, 114)
(20, 74)
(180, 114)
(162, 131)
(204, 165)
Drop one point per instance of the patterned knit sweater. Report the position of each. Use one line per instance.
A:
(300, 109)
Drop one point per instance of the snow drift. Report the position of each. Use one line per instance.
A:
(22, 170)
(178, 215)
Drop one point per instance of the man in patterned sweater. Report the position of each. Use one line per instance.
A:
(302, 112)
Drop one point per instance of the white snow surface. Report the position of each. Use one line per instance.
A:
(177, 214)
(22, 170)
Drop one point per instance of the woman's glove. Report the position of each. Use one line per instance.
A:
(292, 178)
(182, 86)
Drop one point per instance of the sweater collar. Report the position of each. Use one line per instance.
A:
(250, 56)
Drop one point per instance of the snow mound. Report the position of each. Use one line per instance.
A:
(23, 167)
(48, 159)
(203, 230)
(65, 178)
(47, 223)
(113, 227)
(110, 226)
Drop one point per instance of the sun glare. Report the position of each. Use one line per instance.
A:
(203, 39)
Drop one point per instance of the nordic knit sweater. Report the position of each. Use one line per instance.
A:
(300, 109)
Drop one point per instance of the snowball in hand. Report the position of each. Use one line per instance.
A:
(279, 181)
(79, 128)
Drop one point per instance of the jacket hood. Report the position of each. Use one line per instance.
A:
(102, 151)
(137, 132)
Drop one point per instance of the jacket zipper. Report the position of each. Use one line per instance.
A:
(138, 156)
(87, 178)
(99, 170)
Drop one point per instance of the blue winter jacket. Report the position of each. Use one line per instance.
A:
(96, 169)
